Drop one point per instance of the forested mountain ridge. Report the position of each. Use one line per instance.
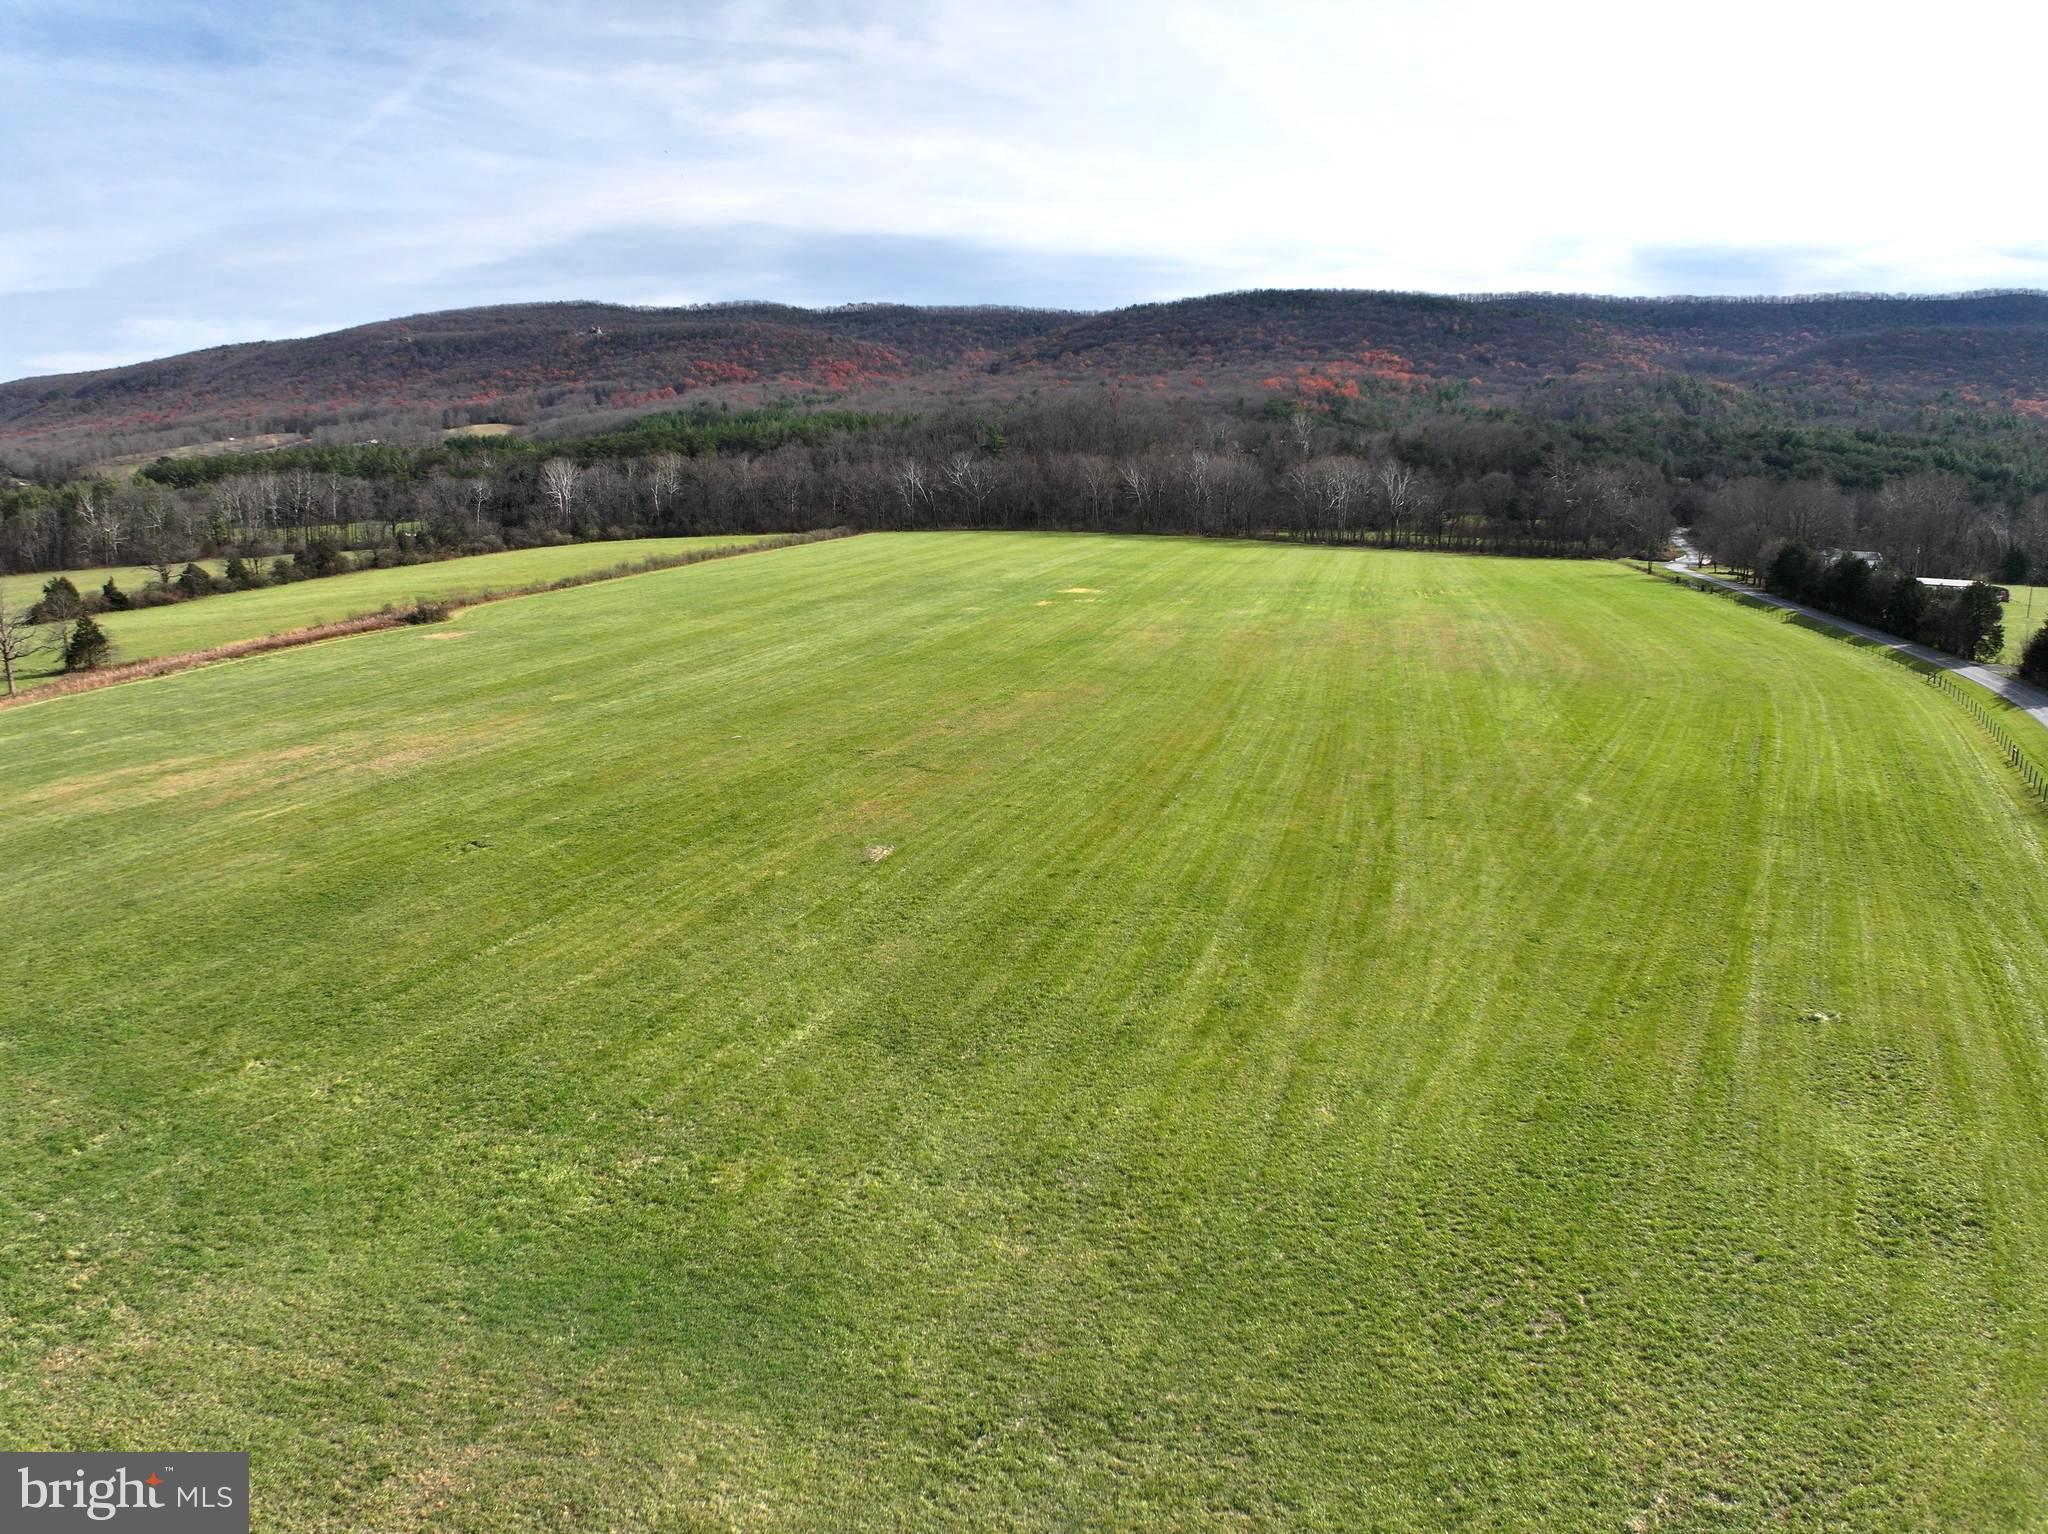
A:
(519, 362)
(1904, 348)
(1860, 359)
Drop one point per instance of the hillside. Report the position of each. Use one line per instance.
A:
(535, 363)
(521, 362)
(1022, 1031)
(1996, 343)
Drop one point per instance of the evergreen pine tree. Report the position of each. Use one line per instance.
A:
(88, 648)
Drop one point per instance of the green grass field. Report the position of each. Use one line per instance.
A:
(150, 632)
(1038, 1032)
(23, 590)
(2018, 628)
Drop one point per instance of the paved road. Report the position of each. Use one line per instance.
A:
(2029, 697)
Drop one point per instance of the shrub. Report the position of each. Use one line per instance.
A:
(321, 556)
(194, 581)
(424, 611)
(59, 603)
(88, 648)
(113, 596)
(2034, 659)
(154, 595)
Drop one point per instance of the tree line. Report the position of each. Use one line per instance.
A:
(1928, 523)
(1860, 553)
(1099, 464)
(1967, 620)
(1363, 471)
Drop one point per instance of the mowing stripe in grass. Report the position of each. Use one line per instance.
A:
(1343, 1040)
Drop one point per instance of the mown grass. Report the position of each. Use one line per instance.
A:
(1336, 1040)
(2020, 727)
(2023, 620)
(141, 634)
(23, 590)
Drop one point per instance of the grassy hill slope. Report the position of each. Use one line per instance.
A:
(1032, 1031)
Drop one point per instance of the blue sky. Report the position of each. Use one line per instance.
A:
(181, 174)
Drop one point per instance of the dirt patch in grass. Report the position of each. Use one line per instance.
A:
(1080, 591)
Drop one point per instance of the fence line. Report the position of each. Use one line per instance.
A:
(2030, 774)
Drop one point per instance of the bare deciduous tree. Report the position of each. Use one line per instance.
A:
(1099, 480)
(558, 479)
(302, 497)
(20, 639)
(972, 479)
(1135, 475)
(1240, 491)
(1301, 426)
(1197, 486)
(1397, 490)
(1323, 492)
(913, 489)
(269, 499)
(664, 481)
(103, 521)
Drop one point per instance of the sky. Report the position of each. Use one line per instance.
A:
(176, 175)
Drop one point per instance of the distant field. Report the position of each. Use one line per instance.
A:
(2018, 628)
(140, 635)
(1038, 1032)
(483, 429)
(23, 590)
(125, 466)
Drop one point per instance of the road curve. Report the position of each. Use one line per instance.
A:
(2023, 695)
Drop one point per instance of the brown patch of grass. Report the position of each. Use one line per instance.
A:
(57, 1360)
(156, 782)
